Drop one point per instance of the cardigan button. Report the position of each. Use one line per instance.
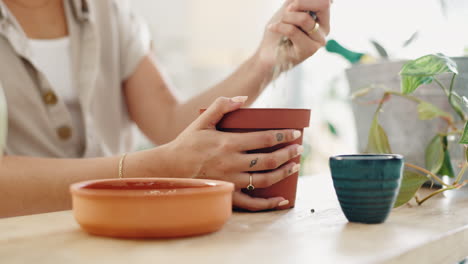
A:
(64, 132)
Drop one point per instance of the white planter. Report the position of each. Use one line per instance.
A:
(407, 134)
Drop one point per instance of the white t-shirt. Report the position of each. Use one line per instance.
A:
(53, 58)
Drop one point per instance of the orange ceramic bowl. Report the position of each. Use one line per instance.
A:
(152, 207)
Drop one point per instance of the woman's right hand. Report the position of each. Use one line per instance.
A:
(201, 151)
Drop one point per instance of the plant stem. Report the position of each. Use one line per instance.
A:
(449, 96)
(448, 119)
(455, 185)
(460, 174)
(409, 97)
(456, 132)
(451, 187)
(416, 197)
(427, 172)
(460, 113)
(451, 85)
(382, 101)
(442, 86)
(434, 194)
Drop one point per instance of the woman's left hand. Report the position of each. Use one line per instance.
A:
(294, 22)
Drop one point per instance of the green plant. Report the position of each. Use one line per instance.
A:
(414, 73)
(383, 51)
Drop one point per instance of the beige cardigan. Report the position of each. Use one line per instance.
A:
(108, 43)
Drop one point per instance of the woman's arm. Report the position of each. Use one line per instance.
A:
(161, 117)
(35, 185)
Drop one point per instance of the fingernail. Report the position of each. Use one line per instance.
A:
(283, 203)
(291, 7)
(300, 149)
(239, 99)
(296, 168)
(271, 26)
(296, 134)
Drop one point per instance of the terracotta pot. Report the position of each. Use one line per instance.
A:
(258, 119)
(152, 208)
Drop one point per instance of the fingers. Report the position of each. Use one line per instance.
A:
(320, 7)
(315, 5)
(261, 139)
(218, 109)
(299, 38)
(242, 200)
(307, 24)
(269, 161)
(263, 180)
(300, 19)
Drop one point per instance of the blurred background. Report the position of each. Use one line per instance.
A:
(199, 42)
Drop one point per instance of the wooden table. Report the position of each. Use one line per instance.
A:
(436, 232)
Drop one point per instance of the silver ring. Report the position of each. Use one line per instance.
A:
(250, 187)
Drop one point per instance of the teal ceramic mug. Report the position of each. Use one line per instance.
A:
(367, 185)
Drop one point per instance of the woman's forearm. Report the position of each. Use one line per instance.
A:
(248, 80)
(31, 185)
(34, 185)
(148, 95)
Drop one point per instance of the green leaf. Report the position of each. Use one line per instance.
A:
(411, 83)
(378, 140)
(462, 99)
(444, 7)
(427, 111)
(332, 129)
(413, 37)
(456, 106)
(410, 184)
(464, 137)
(380, 49)
(446, 169)
(435, 154)
(429, 65)
(423, 70)
(457, 101)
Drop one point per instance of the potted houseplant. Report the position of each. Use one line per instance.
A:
(385, 75)
(442, 113)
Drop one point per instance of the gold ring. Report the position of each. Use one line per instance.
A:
(250, 187)
(121, 163)
(315, 29)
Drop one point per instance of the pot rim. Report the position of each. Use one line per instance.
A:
(266, 118)
(373, 157)
(183, 187)
(394, 61)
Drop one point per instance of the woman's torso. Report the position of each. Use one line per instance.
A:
(106, 44)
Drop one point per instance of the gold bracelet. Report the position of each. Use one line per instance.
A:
(121, 163)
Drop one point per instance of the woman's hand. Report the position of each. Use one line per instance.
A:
(201, 151)
(293, 21)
